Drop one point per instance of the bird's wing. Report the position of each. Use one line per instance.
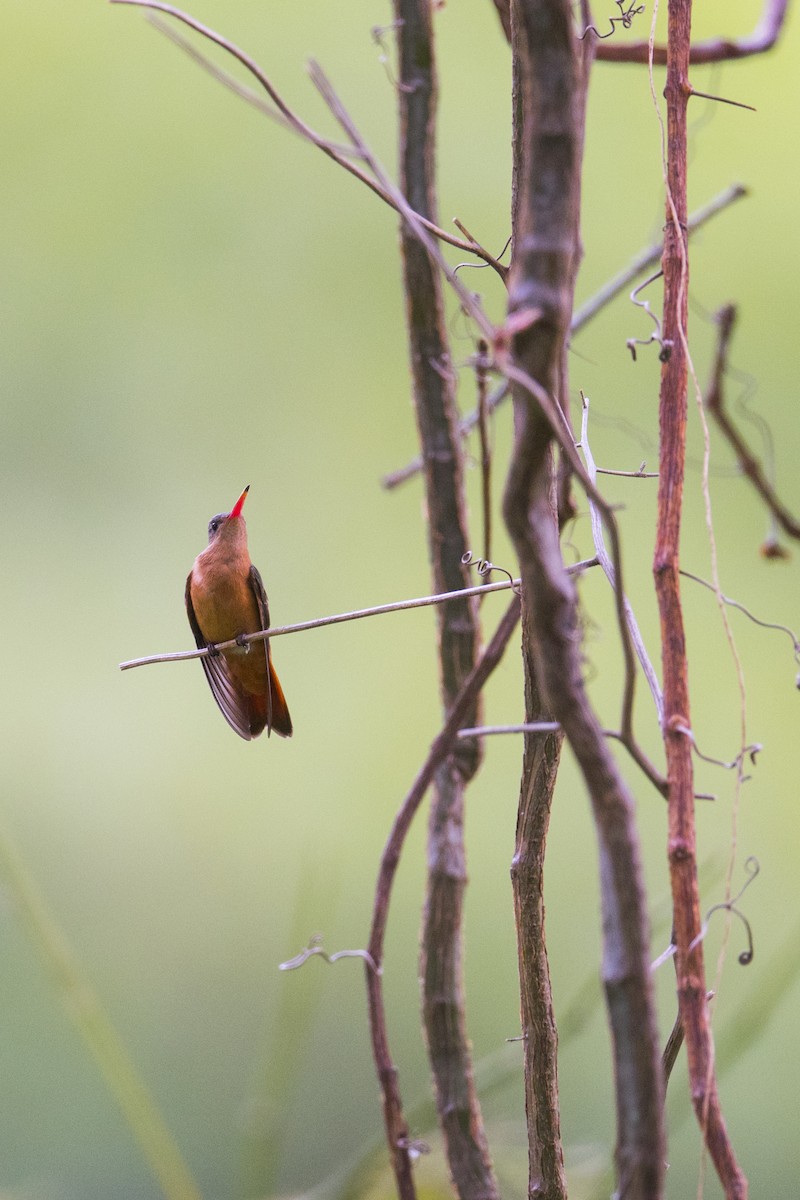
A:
(277, 709)
(218, 675)
(260, 593)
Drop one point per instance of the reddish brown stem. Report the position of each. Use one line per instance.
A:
(396, 1127)
(682, 846)
(763, 38)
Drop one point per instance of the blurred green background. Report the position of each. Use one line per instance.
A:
(193, 300)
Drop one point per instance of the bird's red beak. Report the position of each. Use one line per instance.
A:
(236, 511)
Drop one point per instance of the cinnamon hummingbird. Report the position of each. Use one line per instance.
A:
(225, 599)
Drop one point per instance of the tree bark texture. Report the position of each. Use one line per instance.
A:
(434, 382)
(550, 87)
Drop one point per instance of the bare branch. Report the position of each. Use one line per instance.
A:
(503, 8)
(286, 114)
(608, 571)
(763, 38)
(320, 623)
(715, 403)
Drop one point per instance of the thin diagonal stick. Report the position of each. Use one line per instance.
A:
(608, 571)
(298, 126)
(320, 622)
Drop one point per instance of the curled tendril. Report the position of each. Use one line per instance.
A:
(483, 567)
(315, 947)
(655, 336)
(625, 19)
(752, 867)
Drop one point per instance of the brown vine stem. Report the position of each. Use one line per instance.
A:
(763, 38)
(551, 75)
(682, 844)
(396, 1128)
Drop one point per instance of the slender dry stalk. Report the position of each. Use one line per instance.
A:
(682, 844)
(550, 80)
(434, 383)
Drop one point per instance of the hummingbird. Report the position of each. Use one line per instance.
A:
(226, 599)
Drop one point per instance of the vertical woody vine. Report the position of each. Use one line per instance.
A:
(551, 63)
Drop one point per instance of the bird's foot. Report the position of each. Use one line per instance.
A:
(240, 641)
(213, 652)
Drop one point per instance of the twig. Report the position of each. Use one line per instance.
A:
(608, 571)
(397, 1130)
(587, 311)
(750, 615)
(525, 727)
(723, 100)
(286, 115)
(504, 13)
(465, 426)
(231, 82)
(320, 622)
(763, 38)
(482, 382)
(748, 463)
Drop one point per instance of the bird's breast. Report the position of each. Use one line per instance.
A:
(223, 600)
